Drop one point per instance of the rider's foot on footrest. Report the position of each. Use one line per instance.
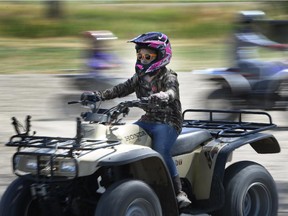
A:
(183, 200)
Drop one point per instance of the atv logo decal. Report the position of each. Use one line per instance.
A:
(178, 162)
(209, 159)
(135, 136)
(211, 153)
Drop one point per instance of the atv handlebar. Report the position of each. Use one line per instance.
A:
(141, 103)
(112, 115)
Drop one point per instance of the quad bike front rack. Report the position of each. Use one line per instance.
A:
(48, 152)
(25, 140)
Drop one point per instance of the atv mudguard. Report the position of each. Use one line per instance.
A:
(240, 85)
(147, 165)
(125, 157)
(261, 143)
(282, 75)
(236, 82)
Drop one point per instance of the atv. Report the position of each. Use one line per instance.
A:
(110, 169)
(257, 77)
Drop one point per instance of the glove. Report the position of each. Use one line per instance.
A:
(159, 98)
(90, 96)
(282, 47)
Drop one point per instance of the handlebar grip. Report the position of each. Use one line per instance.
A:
(73, 102)
(144, 99)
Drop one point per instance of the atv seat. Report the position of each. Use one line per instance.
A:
(189, 140)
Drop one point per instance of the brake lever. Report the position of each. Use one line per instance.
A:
(73, 102)
(144, 99)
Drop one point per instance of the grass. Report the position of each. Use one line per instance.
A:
(38, 55)
(59, 54)
(32, 43)
(127, 20)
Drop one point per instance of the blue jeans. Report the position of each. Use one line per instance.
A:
(163, 138)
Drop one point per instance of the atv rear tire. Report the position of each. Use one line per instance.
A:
(17, 200)
(127, 198)
(249, 190)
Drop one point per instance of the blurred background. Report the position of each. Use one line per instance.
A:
(44, 54)
(61, 38)
(43, 37)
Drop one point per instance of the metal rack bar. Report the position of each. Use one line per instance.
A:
(235, 128)
(58, 142)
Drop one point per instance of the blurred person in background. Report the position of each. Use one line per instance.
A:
(99, 64)
(153, 80)
(98, 56)
(247, 40)
(99, 60)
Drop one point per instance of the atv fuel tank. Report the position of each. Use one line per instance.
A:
(128, 133)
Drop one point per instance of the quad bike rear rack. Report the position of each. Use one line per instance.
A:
(237, 128)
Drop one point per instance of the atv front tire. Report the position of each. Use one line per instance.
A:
(249, 190)
(17, 200)
(127, 198)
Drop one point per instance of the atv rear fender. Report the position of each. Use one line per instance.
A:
(260, 142)
(147, 165)
(219, 154)
(236, 82)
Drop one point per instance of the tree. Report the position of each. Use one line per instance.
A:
(54, 9)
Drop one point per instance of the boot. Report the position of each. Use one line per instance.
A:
(182, 199)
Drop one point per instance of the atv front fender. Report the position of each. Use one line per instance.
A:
(147, 165)
(232, 80)
(280, 76)
(236, 82)
(117, 156)
(130, 155)
(144, 163)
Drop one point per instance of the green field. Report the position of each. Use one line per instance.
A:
(30, 42)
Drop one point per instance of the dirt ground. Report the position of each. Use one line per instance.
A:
(42, 96)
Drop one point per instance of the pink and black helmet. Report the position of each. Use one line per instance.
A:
(156, 41)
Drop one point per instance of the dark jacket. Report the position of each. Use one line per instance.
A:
(165, 81)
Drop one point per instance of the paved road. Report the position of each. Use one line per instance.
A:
(38, 96)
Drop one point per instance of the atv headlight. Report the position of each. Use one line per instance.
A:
(16, 161)
(25, 163)
(31, 164)
(45, 165)
(68, 166)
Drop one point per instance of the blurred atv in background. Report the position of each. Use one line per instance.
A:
(252, 81)
(99, 59)
(110, 169)
(99, 70)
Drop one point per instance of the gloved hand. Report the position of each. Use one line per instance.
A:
(159, 98)
(90, 96)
